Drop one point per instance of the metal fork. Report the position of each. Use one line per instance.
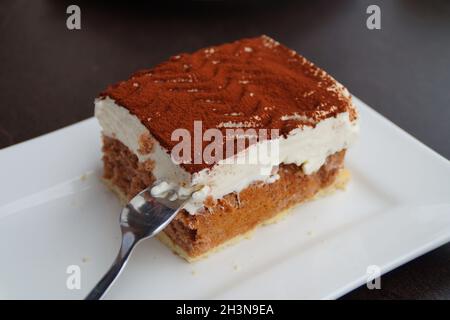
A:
(143, 217)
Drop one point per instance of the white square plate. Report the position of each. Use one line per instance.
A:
(54, 213)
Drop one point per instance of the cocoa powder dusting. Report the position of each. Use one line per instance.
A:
(251, 83)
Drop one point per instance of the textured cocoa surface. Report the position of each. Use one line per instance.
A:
(251, 83)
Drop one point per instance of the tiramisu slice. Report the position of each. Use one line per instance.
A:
(245, 130)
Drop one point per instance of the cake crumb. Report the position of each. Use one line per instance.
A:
(147, 165)
(193, 272)
(145, 143)
(84, 259)
(236, 267)
(83, 177)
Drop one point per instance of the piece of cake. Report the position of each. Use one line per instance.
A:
(252, 90)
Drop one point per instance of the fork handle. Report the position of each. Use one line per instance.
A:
(128, 242)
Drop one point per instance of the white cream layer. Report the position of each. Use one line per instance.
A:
(305, 146)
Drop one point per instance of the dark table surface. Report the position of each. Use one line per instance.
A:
(49, 75)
